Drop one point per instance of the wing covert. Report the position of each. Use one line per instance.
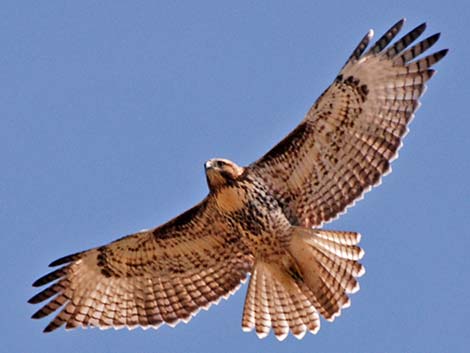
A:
(353, 131)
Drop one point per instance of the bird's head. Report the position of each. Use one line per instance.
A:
(221, 172)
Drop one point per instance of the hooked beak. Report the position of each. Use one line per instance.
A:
(208, 164)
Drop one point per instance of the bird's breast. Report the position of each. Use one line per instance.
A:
(231, 199)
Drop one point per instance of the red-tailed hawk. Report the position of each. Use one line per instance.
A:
(261, 219)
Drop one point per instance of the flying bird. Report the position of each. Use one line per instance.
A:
(264, 219)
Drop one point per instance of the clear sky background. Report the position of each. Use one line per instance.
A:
(109, 110)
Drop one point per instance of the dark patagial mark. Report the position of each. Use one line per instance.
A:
(165, 231)
(293, 140)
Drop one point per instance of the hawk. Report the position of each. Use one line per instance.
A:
(263, 219)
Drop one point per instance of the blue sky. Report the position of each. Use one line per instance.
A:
(109, 110)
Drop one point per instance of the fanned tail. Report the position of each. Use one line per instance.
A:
(312, 278)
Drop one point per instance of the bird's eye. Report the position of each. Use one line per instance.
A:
(220, 164)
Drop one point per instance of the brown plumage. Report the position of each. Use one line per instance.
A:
(262, 219)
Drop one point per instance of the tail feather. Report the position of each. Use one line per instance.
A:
(278, 318)
(260, 307)
(330, 295)
(311, 318)
(249, 309)
(306, 310)
(291, 314)
(312, 278)
(299, 307)
(344, 271)
(274, 301)
(345, 238)
(350, 252)
(262, 317)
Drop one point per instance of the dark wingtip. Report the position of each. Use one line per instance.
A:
(399, 24)
(34, 300)
(40, 281)
(37, 315)
(418, 30)
(421, 27)
(65, 259)
(48, 329)
(52, 276)
(435, 37)
(439, 55)
(52, 326)
(443, 52)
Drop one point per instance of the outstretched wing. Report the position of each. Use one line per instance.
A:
(152, 277)
(354, 130)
